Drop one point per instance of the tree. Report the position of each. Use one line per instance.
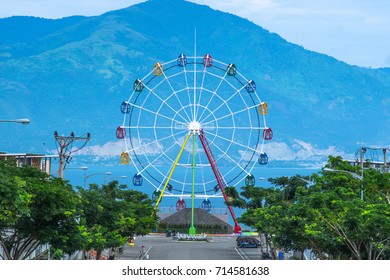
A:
(112, 214)
(36, 210)
(328, 217)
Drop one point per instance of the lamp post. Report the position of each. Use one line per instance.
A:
(22, 121)
(100, 173)
(354, 175)
(81, 167)
(308, 182)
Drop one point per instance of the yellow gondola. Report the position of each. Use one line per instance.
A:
(263, 108)
(125, 158)
(158, 69)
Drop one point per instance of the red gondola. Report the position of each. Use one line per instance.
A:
(207, 61)
(180, 204)
(267, 134)
(120, 132)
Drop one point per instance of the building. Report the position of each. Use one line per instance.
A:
(40, 161)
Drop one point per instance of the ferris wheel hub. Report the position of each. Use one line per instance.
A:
(194, 126)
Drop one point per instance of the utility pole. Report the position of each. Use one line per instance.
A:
(362, 152)
(65, 149)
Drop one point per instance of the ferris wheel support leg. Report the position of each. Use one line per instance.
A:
(192, 229)
(171, 172)
(219, 177)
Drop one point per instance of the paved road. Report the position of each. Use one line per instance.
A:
(157, 247)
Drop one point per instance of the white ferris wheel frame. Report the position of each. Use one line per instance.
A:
(189, 115)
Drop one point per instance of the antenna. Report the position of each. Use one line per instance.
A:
(194, 119)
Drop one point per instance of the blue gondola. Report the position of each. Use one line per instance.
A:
(137, 180)
(182, 60)
(250, 86)
(169, 187)
(206, 205)
(250, 180)
(263, 159)
(125, 107)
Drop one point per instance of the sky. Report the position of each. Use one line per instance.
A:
(354, 31)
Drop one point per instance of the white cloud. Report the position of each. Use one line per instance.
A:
(114, 149)
(300, 151)
(108, 149)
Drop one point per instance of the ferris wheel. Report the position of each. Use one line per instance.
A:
(193, 126)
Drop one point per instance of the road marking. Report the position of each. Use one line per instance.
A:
(146, 253)
(238, 252)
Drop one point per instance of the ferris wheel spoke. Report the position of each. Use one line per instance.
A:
(212, 96)
(176, 95)
(224, 102)
(232, 141)
(237, 163)
(156, 141)
(185, 72)
(199, 97)
(151, 163)
(241, 127)
(165, 102)
(232, 114)
(155, 113)
(147, 127)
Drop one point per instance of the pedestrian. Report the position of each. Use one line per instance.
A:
(111, 254)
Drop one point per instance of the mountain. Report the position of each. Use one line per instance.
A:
(72, 74)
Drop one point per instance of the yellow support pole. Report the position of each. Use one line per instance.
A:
(172, 170)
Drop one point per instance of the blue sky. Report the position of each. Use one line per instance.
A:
(354, 31)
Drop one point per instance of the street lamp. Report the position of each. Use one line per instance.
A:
(81, 167)
(22, 121)
(308, 182)
(100, 173)
(354, 175)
